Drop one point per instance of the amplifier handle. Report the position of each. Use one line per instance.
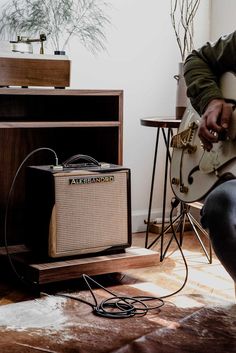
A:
(69, 163)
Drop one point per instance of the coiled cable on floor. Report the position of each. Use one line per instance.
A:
(117, 306)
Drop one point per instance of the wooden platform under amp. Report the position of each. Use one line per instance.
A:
(54, 271)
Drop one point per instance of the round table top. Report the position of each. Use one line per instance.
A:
(168, 122)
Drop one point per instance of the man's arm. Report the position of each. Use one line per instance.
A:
(203, 69)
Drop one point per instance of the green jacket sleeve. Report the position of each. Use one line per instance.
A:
(203, 68)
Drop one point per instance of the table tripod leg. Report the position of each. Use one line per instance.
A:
(152, 186)
(167, 142)
(178, 218)
(165, 231)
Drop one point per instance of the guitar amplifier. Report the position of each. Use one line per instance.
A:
(76, 211)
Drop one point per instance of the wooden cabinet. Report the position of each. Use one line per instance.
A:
(65, 120)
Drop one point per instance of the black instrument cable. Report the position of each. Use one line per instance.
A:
(121, 307)
(32, 285)
(117, 306)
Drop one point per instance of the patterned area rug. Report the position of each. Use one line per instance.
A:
(211, 329)
(55, 324)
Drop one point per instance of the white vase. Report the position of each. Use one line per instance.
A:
(181, 95)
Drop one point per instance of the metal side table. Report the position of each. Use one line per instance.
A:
(166, 125)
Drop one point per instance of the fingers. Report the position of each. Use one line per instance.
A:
(214, 121)
(226, 114)
(206, 136)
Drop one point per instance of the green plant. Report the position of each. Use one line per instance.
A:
(60, 20)
(182, 18)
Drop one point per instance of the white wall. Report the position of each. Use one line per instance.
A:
(142, 58)
(222, 17)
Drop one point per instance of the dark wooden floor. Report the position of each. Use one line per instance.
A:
(203, 278)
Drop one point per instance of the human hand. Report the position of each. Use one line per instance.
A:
(214, 122)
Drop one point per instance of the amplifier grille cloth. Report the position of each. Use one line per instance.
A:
(91, 215)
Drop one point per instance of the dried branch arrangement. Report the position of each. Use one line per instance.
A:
(182, 18)
(60, 20)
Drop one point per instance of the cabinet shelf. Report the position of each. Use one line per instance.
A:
(59, 92)
(56, 124)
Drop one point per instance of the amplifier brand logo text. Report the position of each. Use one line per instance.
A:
(92, 180)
